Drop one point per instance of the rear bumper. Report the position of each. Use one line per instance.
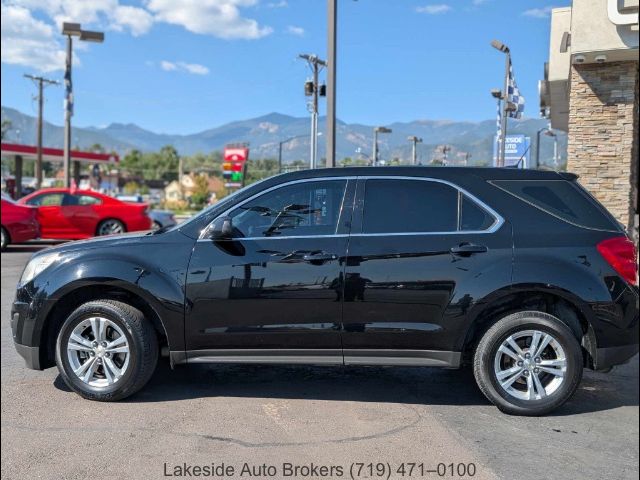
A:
(611, 356)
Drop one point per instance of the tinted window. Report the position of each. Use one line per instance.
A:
(398, 206)
(563, 199)
(473, 216)
(306, 208)
(47, 200)
(88, 200)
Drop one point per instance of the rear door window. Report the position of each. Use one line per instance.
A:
(562, 199)
(420, 206)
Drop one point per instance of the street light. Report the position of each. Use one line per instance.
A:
(281, 143)
(376, 131)
(550, 133)
(414, 151)
(72, 30)
(505, 93)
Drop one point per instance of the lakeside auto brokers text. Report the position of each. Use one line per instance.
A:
(354, 470)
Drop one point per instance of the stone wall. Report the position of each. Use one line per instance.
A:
(603, 134)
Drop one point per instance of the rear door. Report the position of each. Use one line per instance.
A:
(422, 252)
(80, 211)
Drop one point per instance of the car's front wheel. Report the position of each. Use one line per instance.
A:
(106, 350)
(528, 363)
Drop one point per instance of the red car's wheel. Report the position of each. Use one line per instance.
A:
(111, 226)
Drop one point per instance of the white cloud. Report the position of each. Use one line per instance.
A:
(28, 41)
(280, 4)
(543, 12)
(293, 30)
(137, 20)
(434, 9)
(193, 68)
(103, 14)
(219, 18)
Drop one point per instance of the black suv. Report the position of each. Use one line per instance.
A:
(521, 274)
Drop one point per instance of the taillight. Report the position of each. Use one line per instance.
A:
(620, 253)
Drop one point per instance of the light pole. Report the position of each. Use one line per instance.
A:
(332, 38)
(72, 30)
(376, 131)
(505, 100)
(414, 150)
(548, 132)
(280, 144)
(40, 82)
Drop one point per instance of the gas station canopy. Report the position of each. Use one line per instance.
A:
(30, 152)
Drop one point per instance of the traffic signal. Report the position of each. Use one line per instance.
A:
(322, 91)
(308, 88)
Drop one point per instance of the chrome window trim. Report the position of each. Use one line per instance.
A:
(498, 219)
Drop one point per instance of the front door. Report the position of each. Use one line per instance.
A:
(53, 224)
(275, 289)
(421, 254)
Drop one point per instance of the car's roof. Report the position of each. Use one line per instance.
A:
(486, 173)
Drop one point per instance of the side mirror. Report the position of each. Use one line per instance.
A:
(221, 229)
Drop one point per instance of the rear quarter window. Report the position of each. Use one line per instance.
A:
(562, 199)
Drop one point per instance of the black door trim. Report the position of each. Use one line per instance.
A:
(416, 358)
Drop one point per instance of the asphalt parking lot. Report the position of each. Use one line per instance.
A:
(304, 415)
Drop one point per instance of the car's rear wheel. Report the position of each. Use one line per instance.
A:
(106, 350)
(5, 239)
(528, 363)
(111, 226)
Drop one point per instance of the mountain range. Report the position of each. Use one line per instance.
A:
(265, 132)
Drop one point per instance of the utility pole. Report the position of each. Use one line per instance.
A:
(314, 90)
(414, 150)
(40, 82)
(505, 100)
(332, 38)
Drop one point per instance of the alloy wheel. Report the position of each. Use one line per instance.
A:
(110, 227)
(98, 352)
(530, 365)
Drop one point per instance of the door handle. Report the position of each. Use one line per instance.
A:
(467, 249)
(319, 257)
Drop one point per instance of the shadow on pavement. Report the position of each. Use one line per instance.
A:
(426, 386)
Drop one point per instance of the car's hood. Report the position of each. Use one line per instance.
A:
(106, 241)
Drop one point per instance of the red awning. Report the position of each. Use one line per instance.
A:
(29, 152)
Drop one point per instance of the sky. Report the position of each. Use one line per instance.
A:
(183, 66)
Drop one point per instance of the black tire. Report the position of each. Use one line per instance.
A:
(143, 350)
(6, 239)
(486, 378)
(117, 223)
(156, 225)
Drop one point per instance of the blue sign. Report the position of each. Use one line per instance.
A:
(517, 151)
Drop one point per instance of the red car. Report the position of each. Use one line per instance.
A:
(19, 222)
(75, 214)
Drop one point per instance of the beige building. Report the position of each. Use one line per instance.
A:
(590, 91)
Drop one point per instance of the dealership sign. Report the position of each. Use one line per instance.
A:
(517, 151)
(234, 165)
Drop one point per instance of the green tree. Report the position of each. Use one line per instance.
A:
(200, 193)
